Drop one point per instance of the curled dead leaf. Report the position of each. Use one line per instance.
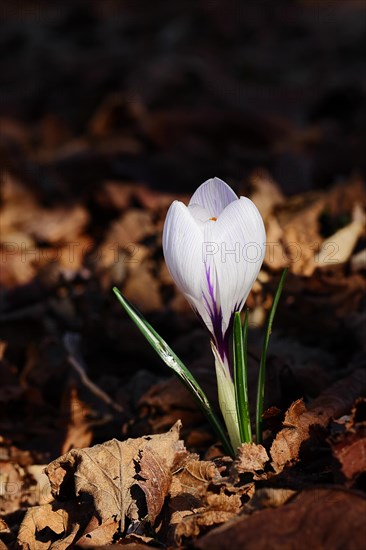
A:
(194, 477)
(107, 473)
(201, 497)
(61, 521)
(332, 403)
(98, 487)
(252, 459)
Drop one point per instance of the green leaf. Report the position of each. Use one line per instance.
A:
(263, 362)
(240, 341)
(176, 365)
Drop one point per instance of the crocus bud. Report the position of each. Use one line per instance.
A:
(214, 249)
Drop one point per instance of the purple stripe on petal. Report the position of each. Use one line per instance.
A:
(215, 313)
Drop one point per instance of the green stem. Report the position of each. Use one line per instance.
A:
(241, 376)
(263, 361)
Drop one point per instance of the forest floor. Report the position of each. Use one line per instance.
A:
(100, 446)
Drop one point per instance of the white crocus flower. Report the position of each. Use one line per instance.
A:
(214, 249)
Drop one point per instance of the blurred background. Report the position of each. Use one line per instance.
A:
(112, 109)
(172, 93)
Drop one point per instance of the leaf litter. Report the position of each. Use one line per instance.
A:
(83, 197)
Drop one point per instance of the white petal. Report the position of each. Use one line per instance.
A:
(213, 195)
(199, 213)
(182, 247)
(241, 238)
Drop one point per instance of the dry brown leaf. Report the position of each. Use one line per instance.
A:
(99, 487)
(224, 503)
(338, 248)
(187, 492)
(349, 447)
(251, 458)
(3, 526)
(61, 520)
(95, 534)
(201, 497)
(194, 478)
(155, 476)
(332, 403)
(107, 473)
(191, 525)
(320, 519)
(286, 446)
